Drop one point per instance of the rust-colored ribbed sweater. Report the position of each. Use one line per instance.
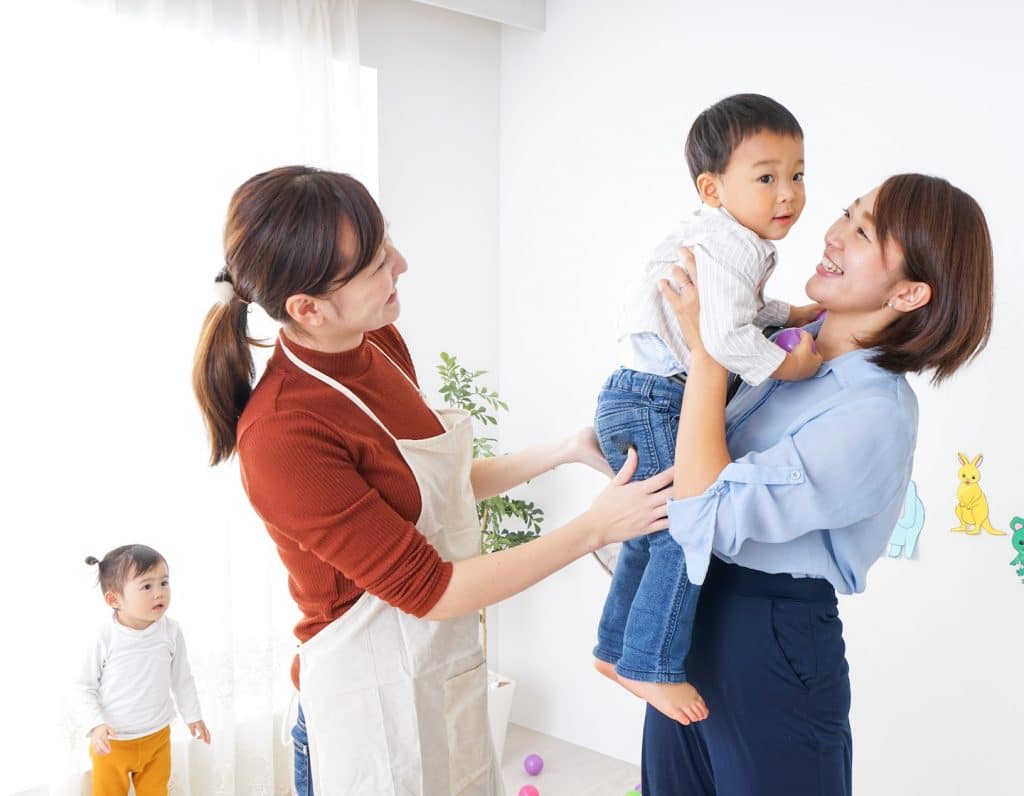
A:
(336, 496)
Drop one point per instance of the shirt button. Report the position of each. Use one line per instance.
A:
(795, 475)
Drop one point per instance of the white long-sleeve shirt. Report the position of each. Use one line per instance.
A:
(128, 677)
(733, 264)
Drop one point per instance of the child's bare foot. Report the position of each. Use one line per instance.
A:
(607, 669)
(679, 701)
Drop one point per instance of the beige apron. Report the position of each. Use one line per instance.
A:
(395, 704)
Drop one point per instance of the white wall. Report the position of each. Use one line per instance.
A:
(594, 112)
(527, 14)
(437, 84)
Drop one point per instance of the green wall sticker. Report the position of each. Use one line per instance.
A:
(1017, 526)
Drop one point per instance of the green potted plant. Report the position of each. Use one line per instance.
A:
(461, 388)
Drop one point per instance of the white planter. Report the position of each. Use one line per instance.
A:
(500, 691)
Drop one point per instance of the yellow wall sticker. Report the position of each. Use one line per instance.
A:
(972, 505)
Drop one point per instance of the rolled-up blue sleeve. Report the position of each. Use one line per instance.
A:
(836, 469)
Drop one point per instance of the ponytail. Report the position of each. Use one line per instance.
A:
(280, 239)
(124, 563)
(222, 374)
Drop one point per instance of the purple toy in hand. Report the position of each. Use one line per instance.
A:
(788, 339)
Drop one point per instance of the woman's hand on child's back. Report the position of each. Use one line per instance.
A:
(198, 731)
(680, 291)
(100, 738)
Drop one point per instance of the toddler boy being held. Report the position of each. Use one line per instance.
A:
(746, 157)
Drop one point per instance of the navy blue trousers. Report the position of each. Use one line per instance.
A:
(769, 659)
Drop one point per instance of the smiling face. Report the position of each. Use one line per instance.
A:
(858, 274)
(338, 319)
(762, 186)
(144, 598)
(369, 300)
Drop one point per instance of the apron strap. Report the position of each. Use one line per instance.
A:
(337, 385)
(415, 386)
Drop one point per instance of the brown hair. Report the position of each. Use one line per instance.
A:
(281, 238)
(719, 130)
(945, 242)
(122, 564)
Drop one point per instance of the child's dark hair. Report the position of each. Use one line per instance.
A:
(123, 563)
(718, 130)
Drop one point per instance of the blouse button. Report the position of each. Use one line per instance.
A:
(794, 476)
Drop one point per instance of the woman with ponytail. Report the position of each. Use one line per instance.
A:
(369, 494)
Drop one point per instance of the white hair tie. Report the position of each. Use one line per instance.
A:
(223, 290)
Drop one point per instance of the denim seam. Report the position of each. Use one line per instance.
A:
(690, 595)
(670, 676)
(677, 604)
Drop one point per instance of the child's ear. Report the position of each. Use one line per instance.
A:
(113, 599)
(707, 187)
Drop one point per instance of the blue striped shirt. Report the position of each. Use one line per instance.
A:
(820, 468)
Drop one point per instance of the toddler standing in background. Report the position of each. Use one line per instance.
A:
(746, 157)
(126, 682)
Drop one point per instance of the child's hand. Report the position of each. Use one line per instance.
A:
(800, 363)
(198, 731)
(803, 315)
(100, 738)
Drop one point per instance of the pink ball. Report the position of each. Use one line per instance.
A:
(533, 764)
(528, 790)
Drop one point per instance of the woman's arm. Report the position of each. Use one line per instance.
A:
(498, 474)
(842, 471)
(622, 511)
(701, 452)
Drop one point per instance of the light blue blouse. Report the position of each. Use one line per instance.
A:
(820, 468)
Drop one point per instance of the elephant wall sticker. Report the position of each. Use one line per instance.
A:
(908, 528)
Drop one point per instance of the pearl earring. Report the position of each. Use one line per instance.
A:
(889, 304)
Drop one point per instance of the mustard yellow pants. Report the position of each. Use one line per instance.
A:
(146, 760)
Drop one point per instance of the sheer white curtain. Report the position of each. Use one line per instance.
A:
(127, 126)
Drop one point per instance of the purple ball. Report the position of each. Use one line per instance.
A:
(533, 764)
(528, 790)
(788, 339)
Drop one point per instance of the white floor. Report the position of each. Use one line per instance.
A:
(569, 770)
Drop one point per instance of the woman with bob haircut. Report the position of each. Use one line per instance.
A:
(370, 495)
(789, 494)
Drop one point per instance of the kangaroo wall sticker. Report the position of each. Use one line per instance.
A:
(972, 505)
